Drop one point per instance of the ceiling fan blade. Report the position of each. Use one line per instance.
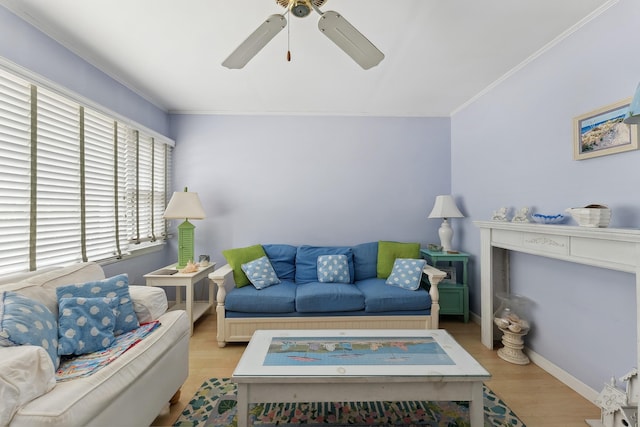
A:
(350, 40)
(255, 42)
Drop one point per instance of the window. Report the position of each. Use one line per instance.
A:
(76, 184)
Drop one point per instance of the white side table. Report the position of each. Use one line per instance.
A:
(194, 309)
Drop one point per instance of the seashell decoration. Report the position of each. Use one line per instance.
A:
(511, 322)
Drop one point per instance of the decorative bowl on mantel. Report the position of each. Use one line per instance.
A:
(548, 219)
(591, 215)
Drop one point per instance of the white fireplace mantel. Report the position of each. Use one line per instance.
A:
(612, 248)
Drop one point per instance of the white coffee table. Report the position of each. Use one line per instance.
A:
(358, 365)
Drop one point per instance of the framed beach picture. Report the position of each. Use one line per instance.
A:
(451, 274)
(602, 132)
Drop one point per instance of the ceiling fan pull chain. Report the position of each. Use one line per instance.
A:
(288, 40)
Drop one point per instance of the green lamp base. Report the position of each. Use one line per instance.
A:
(186, 241)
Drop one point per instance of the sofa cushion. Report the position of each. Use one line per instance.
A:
(84, 401)
(365, 260)
(307, 261)
(24, 321)
(283, 260)
(26, 372)
(316, 297)
(238, 256)
(113, 287)
(149, 302)
(406, 273)
(86, 325)
(389, 251)
(260, 273)
(274, 299)
(333, 269)
(380, 297)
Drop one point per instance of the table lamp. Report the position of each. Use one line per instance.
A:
(445, 208)
(185, 205)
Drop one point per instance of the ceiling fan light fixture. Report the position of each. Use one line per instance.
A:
(300, 8)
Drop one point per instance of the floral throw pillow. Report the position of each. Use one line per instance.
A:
(406, 273)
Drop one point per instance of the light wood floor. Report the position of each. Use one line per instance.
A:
(536, 397)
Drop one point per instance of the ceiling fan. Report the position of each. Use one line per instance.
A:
(331, 24)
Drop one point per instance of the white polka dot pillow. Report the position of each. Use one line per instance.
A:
(113, 287)
(333, 269)
(85, 325)
(406, 273)
(24, 321)
(260, 273)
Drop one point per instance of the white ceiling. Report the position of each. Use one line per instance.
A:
(439, 54)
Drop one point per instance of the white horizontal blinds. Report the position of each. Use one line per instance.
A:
(58, 217)
(121, 198)
(15, 158)
(75, 183)
(145, 189)
(99, 182)
(160, 154)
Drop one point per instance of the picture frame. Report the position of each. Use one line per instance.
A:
(601, 132)
(451, 274)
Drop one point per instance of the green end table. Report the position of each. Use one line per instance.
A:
(454, 295)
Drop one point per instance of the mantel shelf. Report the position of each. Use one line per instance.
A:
(612, 248)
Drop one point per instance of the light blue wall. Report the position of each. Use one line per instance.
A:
(27, 47)
(311, 180)
(513, 147)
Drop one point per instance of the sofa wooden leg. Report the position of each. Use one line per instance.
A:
(175, 398)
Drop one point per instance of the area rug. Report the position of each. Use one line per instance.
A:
(214, 404)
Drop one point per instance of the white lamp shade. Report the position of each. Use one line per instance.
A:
(184, 205)
(633, 115)
(445, 207)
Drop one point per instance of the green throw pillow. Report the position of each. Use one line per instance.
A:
(389, 251)
(237, 257)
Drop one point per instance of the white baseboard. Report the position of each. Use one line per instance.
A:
(570, 381)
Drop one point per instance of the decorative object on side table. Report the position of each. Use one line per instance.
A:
(521, 216)
(500, 214)
(548, 219)
(591, 216)
(510, 318)
(204, 260)
(185, 205)
(434, 247)
(445, 207)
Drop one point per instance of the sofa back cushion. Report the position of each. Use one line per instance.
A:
(283, 260)
(40, 286)
(365, 260)
(307, 261)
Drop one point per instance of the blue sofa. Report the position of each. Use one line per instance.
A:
(300, 301)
